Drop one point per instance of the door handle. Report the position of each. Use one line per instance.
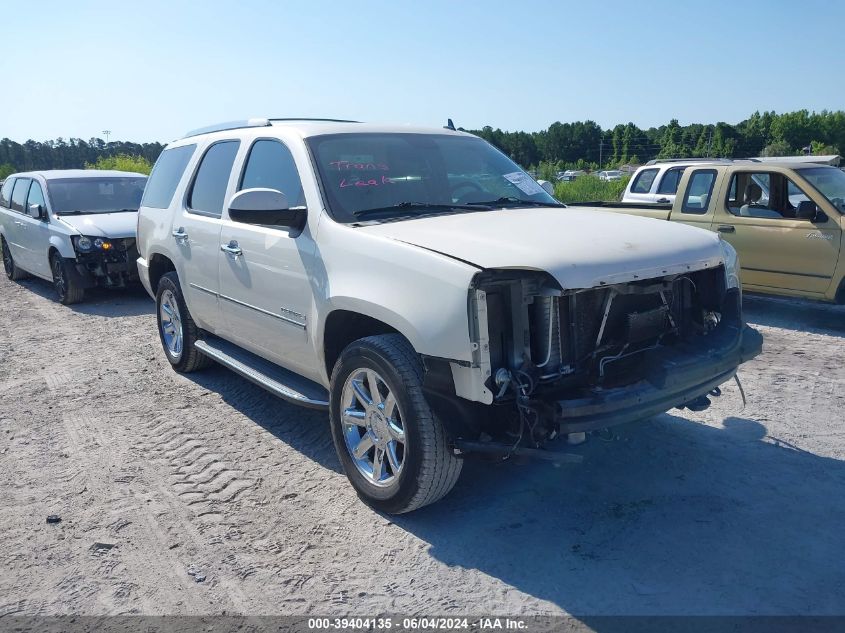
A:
(662, 200)
(180, 235)
(232, 249)
(726, 228)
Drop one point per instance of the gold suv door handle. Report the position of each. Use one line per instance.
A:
(726, 228)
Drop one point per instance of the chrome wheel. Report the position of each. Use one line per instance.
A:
(170, 322)
(59, 280)
(372, 427)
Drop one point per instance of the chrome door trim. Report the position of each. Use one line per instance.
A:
(202, 289)
(263, 311)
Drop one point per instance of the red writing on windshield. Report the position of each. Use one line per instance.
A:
(346, 165)
(372, 182)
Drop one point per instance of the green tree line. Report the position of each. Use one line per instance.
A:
(579, 145)
(584, 144)
(73, 153)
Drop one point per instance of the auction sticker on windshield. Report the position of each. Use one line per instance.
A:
(525, 182)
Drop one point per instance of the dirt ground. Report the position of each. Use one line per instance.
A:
(203, 494)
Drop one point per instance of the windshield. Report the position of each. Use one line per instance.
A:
(408, 175)
(95, 195)
(830, 182)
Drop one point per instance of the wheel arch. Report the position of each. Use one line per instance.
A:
(840, 292)
(159, 265)
(342, 326)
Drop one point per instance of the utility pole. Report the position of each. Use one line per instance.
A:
(710, 143)
(601, 147)
(107, 132)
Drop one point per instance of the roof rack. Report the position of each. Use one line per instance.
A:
(229, 125)
(299, 118)
(262, 122)
(658, 161)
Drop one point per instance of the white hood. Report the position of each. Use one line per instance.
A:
(103, 224)
(580, 248)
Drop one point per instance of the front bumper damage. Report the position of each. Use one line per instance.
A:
(676, 376)
(112, 269)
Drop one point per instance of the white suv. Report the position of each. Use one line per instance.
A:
(428, 293)
(656, 182)
(73, 227)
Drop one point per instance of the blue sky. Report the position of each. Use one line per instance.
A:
(152, 70)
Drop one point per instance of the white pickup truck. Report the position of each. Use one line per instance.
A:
(428, 293)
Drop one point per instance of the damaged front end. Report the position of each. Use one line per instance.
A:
(106, 262)
(555, 361)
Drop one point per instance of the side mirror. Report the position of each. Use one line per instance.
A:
(266, 207)
(36, 211)
(807, 210)
(548, 187)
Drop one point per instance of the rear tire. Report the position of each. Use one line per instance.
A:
(12, 271)
(176, 328)
(393, 449)
(68, 291)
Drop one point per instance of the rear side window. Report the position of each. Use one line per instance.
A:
(642, 183)
(6, 193)
(700, 187)
(19, 194)
(166, 175)
(209, 189)
(669, 184)
(270, 164)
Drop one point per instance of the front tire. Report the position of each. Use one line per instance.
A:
(68, 290)
(393, 449)
(12, 271)
(176, 328)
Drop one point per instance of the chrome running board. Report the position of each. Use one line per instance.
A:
(277, 380)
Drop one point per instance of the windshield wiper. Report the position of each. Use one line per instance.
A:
(516, 202)
(95, 211)
(403, 207)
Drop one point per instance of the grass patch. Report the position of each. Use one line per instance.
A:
(590, 189)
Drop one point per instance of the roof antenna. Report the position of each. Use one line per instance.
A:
(449, 125)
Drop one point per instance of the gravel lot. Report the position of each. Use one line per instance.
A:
(203, 494)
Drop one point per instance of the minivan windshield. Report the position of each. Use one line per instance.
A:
(371, 176)
(830, 182)
(95, 195)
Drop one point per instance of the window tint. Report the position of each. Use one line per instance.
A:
(6, 193)
(669, 184)
(270, 165)
(36, 195)
(698, 191)
(643, 181)
(166, 175)
(19, 194)
(209, 188)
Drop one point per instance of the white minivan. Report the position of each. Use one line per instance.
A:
(75, 228)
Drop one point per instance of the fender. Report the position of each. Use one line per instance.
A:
(62, 243)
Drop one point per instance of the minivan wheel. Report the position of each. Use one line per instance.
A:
(176, 327)
(68, 291)
(392, 447)
(12, 271)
